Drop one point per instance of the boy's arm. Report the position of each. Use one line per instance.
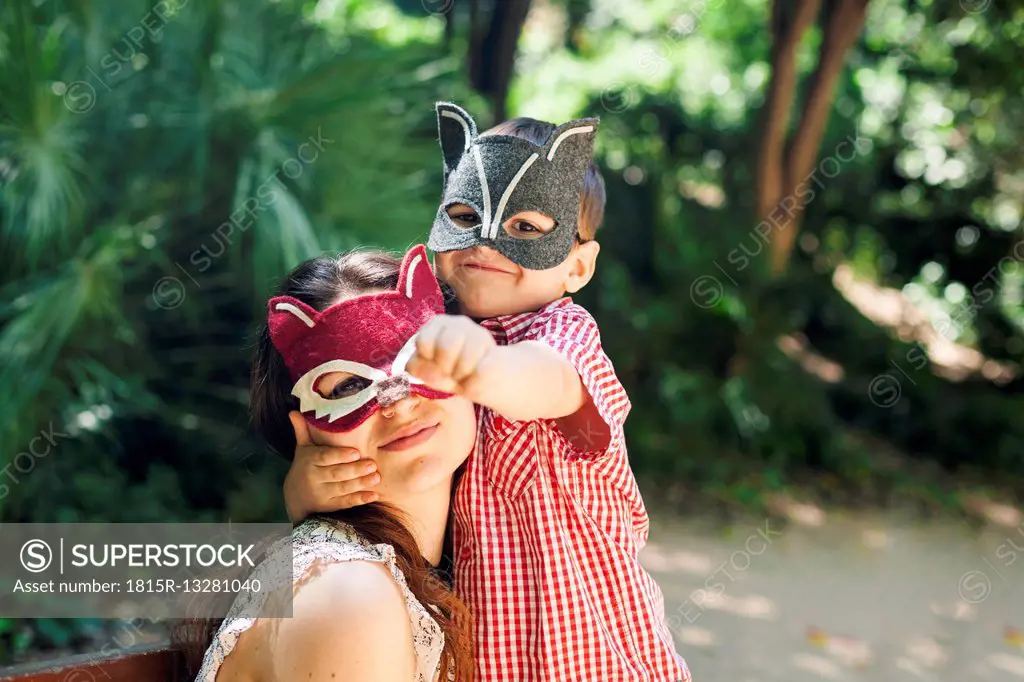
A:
(527, 381)
(597, 425)
(524, 382)
(558, 371)
(538, 382)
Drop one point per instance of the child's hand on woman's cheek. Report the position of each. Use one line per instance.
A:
(451, 351)
(324, 479)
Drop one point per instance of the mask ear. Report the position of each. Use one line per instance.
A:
(416, 281)
(288, 319)
(456, 130)
(571, 146)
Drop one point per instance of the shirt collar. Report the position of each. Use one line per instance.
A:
(508, 328)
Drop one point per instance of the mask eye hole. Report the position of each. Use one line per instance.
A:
(335, 385)
(529, 225)
(463, 215)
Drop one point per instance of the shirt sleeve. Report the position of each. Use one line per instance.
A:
(572, 332)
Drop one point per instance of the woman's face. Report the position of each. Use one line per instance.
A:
(418, 446)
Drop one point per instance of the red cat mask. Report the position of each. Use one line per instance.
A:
(370, 336)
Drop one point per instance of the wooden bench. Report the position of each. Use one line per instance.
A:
(148, 663)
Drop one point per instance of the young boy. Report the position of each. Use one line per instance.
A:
(548, 519)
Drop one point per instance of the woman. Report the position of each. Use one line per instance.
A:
(367, 605)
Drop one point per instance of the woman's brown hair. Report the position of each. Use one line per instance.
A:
(320, 282)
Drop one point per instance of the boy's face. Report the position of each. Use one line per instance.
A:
(488, 284)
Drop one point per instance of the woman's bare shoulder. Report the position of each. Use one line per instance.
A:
(354, 584)
(348, 618)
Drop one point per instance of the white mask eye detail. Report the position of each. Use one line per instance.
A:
(311, 401)
(485, 219)
(337, 385)
(402, 359)
(499, 212)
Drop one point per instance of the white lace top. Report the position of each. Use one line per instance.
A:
(318, 541)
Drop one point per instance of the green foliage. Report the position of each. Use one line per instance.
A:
(130, 135)
(129, 139)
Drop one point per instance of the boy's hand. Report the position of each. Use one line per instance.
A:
(323, 479)
(522, 381)
(453, 354)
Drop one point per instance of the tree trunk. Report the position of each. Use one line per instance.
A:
(449, 28)
(788, 25)
(842, 28)
(784, 161)
(492, 56)
(782, 165)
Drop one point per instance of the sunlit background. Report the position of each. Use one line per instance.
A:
(810, 282)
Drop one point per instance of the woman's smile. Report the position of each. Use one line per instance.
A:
(417, 433)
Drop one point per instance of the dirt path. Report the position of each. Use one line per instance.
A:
(861, 598)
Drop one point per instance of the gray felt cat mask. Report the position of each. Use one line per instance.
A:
(500, 176)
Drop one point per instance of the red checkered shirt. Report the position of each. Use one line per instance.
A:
(547, 533)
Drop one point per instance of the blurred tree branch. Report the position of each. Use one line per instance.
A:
(449, 28)
(788, 24)
(492, 55)
(783, 163)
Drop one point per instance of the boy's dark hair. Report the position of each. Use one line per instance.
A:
(591, 198)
